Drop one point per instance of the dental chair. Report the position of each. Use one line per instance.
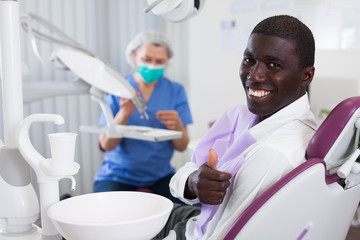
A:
(318, 199)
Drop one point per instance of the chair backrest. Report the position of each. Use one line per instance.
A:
(334, 138)
(328, 146)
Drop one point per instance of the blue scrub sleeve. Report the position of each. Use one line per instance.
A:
(182, 107)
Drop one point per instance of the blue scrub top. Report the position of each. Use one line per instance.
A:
(142, 163)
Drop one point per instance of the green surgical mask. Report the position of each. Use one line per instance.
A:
(149, 72)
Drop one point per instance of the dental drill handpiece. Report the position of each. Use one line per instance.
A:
(141, 106)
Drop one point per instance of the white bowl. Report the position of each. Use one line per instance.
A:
(111, 215)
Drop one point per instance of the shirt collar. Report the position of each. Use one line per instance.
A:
(297, 110)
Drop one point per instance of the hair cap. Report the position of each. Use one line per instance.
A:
(148, 37)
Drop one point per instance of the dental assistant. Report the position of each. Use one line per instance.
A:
(129, 163)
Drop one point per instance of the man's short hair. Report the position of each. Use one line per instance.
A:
(290, 28)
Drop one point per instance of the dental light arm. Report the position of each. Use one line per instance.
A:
(152, 5)
(80, 61)
(57, 36)
(175, 10)
(34, 91)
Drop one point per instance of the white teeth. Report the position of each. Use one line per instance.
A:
(258, 93)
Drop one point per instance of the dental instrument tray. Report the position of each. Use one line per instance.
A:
(135, 132)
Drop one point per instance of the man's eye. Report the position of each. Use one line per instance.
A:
(274, 65)
(248, 60)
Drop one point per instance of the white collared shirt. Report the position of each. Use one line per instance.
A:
(281, 141)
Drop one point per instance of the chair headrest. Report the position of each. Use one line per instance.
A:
(333, 139)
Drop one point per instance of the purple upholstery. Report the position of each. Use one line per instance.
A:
(254, 206)
(323, 139)
(317, 149)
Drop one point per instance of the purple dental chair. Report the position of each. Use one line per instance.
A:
(318, 199)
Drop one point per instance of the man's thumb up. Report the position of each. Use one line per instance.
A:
(212, 159)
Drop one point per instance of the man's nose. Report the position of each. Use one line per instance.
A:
(257, 73)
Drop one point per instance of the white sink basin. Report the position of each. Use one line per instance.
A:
(111, 215)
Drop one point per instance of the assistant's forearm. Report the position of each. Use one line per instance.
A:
(108, 144)
(180, 144)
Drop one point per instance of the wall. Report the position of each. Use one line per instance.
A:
(218, 38)
(337, 77)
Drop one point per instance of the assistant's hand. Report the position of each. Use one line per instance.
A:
(208, 184)
(127, 108)
(170, 119)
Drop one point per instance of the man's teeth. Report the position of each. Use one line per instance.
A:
(258, 93)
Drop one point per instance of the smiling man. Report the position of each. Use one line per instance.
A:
(250, 147)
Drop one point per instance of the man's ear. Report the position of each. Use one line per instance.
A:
(308, 74)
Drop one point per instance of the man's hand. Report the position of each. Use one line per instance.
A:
(207, 183)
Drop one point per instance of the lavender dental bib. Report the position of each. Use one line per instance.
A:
(229, 137)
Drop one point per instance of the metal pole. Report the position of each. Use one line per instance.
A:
(21, 208)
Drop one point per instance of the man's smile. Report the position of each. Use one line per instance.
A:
(258, 93)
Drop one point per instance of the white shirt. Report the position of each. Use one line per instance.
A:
(280, 146)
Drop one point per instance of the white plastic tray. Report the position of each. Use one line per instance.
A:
(134, 132)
